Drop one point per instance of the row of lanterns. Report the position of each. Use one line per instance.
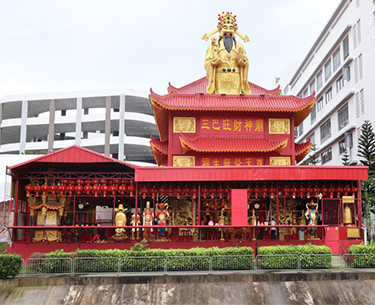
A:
(122, 186)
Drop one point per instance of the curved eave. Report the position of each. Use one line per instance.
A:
(161, 118)
(160, 146)
(161, 159)
(302, 114)
(302, 150)
(187, 145)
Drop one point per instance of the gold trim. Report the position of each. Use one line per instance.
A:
(183, 160)
(353, 233)
(280, 161)
(279, 126)
(347, 199)
(184, 124)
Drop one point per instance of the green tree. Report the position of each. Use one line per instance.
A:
(366, 151)
(345, 158)
(313, 158)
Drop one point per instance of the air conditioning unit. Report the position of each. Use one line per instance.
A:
(348, 140)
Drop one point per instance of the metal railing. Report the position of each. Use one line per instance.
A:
(159, 264)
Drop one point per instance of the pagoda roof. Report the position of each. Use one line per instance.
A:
(161, 104)
(200, 86)
(231, 144)
(302, 149)
(160, 150)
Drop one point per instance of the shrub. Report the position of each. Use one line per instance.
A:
(10, 265)
(363, 256)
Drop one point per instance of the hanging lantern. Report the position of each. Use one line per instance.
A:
(79, 189)
(249, 191)
(212, 191)
(162, 191)
(122, 189)
(272, 191)
(104, 189)
(347, 189)
(110, 182)
(331, 191)
(37, 189)
(61, 188)
(256, 191)
(88, 189)
(170, 191)
(264, 191)
(88, 181)
(286, 190)
(178, 191)
(116, 181)
(339, 191)
(309, 190)
(354, 191)
(186, 191)
(95, 181)
(153, 191)
(70, 189)
(301, 190)
(65, 181)
(126, 181)
(131, 188)
(103, 181)
(73, 182)
(220, 190)
(228, 191)
(53, 188)
(96, 189)
(80, 181)
(143, 191)
(204, 191)
(324, 190)
(29, 188)
(194, 190)
(113, 189)
(45, 188)
(294, 191)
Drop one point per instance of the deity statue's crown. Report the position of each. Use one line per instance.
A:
(227, 18)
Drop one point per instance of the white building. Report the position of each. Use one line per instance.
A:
(340, 69)
(117, 123)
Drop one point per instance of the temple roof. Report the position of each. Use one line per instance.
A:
(231, 144)
(200, 86)
(160, 150)
(302, 149)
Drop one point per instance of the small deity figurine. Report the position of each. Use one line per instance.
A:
(147, 214)
(134, 223)
(253, 222)
(312, 215)
(221, 223)
(162, 215)
(120, 220)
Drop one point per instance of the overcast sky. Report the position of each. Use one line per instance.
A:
(53, 46)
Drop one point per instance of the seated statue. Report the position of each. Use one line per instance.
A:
(120, 220)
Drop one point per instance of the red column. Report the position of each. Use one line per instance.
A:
(136, 204)
(16, 207)
(277, 202)
(359, 190)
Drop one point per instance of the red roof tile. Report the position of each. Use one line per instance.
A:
(200, 86)
(302, 149)
(210, 143)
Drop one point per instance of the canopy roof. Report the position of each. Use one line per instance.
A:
(232, 143)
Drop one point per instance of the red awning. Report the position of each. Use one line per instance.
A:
(251, 173)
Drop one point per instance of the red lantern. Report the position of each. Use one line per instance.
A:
(316, 190)
(29, 188)
(220, 190)
(347, 189)
(324, 190)
(122, 189)
(113, 188)
(70, 189)
(79, 189)
(162, 191)
(178, 191)
(53, 188)
(249, 191)
(228, 191)
(153, 191)
(264, 191)
(301, 191)
(286, 190)
(131, 188)
(104, 189)
(37, 189)
(116, 181)
(186, 191)
(65, 181)
(309, 190)
(88, 189)
(103, 181)
(61, 188)
(272, 191)
(331, 191)
(212, 191)
(80, 181)
(143, 191)
(96, 189)
(95, 181)
(294, 191)
(204, 191)
(110, 182)
(194, 190)
(170, 191)
(45, 188)
(256, 191)
(88, 181)
(339, 191)
(73, 182)
(354, 191)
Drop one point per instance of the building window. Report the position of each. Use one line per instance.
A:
(85, 135)
(342, 147)
(336, 60)
(326, 156)
(116, 110)
(115, 133)
(362, 98)
(325, 131)
(62, 135)
(320, 104)
(356, 70)
(340, 84)
(63, 112)
(312, 138)
(328, 70)
(319, 81)
(115, 155)
(300, 129)
(312, 86)
(85, 110)
(357, 113)
(354, 30)
(295, 132)
(305, 93)
(360, 66)
(313, 114)
(345, 47)
(328, 95)
(359, 34)
(343, 115)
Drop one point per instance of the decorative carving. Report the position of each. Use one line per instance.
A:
(184, 124)
(280, 161)
(279, 126)
(51, 218)
(353, 233)
(39, 235)
(183, 161)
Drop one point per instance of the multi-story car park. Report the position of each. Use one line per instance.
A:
(340, 68)
(117, 123)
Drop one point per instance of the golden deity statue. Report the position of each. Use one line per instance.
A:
(222, 223)
(120, 220)
(135, 223)
(147, 214)
(226, 63)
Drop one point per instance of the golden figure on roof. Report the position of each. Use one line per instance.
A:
(226, 63)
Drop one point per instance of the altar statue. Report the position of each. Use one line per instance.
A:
(226, 62)
(162, 216)
(120, 220)
(312, 215)
(147, 216)
(135, 223)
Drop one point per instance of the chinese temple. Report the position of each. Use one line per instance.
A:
(226, 175)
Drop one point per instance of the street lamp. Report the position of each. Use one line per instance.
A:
(256, 206)
(80, 207)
